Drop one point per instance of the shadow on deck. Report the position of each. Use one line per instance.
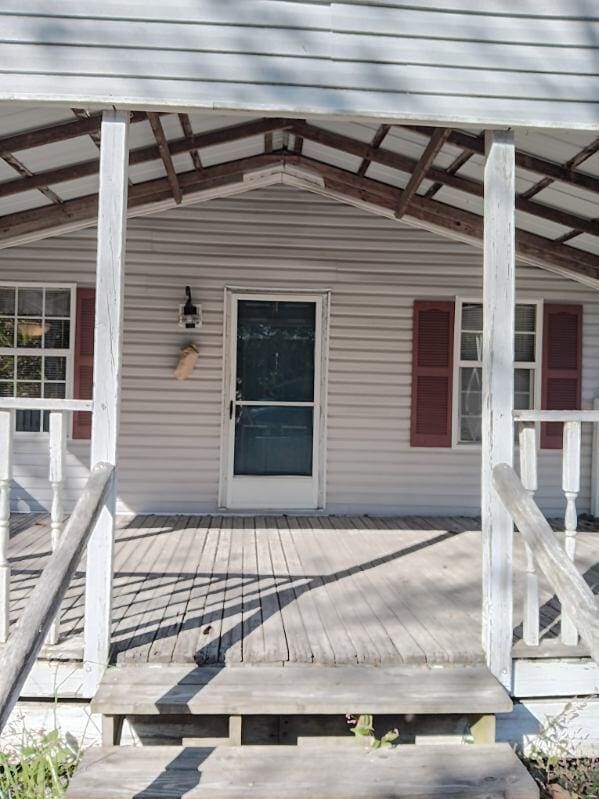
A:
(325, 590)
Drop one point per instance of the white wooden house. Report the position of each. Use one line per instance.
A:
(384, 216)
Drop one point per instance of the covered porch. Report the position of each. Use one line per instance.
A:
(377, 595)
(277, 590)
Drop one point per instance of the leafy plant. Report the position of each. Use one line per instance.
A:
(40, 767)
(362, 726)
(553, 764)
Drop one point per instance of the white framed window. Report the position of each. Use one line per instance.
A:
(467, 381)
(37, 331)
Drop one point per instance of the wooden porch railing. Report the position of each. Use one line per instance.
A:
(32, 627)
(58, 410)
(528, 423)
(548, 554)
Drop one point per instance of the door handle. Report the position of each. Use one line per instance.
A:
(231, 406)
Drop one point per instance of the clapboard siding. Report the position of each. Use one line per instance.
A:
(511, 63)
(284, 238)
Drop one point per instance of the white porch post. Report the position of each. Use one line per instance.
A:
(498, 397)
(112, 224)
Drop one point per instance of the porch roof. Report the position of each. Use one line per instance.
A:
(431, 177)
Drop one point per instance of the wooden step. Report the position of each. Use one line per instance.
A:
(247, 690)
(271, 772)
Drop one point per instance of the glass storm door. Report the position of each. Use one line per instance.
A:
(273, 402)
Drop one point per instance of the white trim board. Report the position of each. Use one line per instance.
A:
(544, 677)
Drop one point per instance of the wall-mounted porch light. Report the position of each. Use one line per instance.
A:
(190, 315)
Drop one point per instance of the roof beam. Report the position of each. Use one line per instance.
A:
(165, 155)
(573, 162)
(464, 224)
(467, 185)
(81, 113)
(455, 166)
(145, 193)
(188, 132)
(151, 152)
(434, 214)
(20, 167)
(551, 169)
(376, 142)
(435, 143)
(50, 134)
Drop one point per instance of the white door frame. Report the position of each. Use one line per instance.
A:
(316, 492)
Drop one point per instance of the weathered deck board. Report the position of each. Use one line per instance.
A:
(243, 690)
(269, 772)
(324, 590)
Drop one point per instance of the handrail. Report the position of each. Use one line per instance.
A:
(24, 645)
(36, 404)
(562, 574)
(556, 416)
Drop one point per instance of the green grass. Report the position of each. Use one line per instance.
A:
(39, 767)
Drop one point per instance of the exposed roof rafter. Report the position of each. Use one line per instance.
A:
(432, 212)
(376, 142)
(350, 183)
(533, 163)
(188, 132)
(95, 136)
(165, 155)
(467, 185)
(62, 131)
(431, 151)
(26, 173)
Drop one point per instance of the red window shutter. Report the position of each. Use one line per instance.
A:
(84, 359)
(562, 366)
(432, 374)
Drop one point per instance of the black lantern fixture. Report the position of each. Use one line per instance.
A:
(190, 315)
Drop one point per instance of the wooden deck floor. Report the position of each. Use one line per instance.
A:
(285, 589)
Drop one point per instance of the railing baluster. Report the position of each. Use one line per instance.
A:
(571, 487)
(58, 441)
(527, 437)
(6, 428)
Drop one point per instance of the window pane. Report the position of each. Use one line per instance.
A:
(7, 301)
(273, 440)
(58, 302)
(29, 333)
(55, 368)
(7, 333)
(472, 316)
(57, 334)
(7, 389)
(29, 390)
(471, 379)
(28, 421)
(523, 389)
(7, 367)
(526, 318)
(472, 345)
(275, 350)
(470, 404)
(470, 430)
(54, 390)
(29, 367)
(30, 302)
(524, 348)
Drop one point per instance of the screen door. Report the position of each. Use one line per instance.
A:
(273, 408)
